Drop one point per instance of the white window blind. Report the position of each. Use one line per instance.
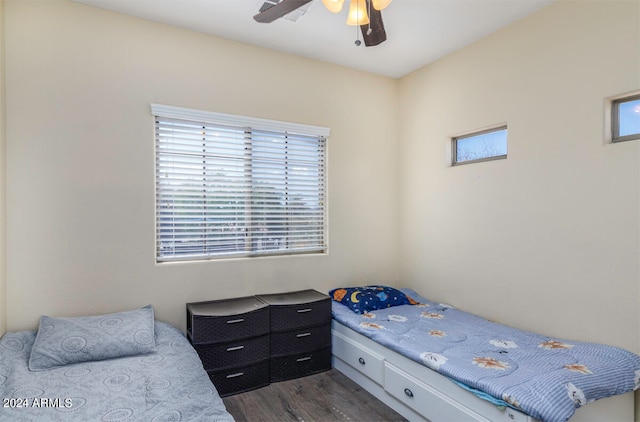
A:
(233, 186)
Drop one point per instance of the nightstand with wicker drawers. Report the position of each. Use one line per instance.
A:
(231, 337)
(300, 333)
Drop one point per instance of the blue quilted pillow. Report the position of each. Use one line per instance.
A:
(62, 341)
(369, 298)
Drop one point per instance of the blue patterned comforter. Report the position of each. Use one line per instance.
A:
(547, 378)
(170, 385)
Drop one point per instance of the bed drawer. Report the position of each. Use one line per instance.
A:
(424, 399)
(360, 358)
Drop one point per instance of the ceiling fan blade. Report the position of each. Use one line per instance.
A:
(279, 10)
(377, 35)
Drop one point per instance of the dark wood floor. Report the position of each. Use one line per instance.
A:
(328, 396)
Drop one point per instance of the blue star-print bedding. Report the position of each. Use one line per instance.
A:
(547, 378)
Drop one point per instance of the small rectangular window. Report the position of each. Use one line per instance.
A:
(625, 119)
(490, 144)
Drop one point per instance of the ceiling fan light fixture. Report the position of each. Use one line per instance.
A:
(358, 13)
(380, 4)
(333, 6)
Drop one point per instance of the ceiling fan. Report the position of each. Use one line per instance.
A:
(365, 13)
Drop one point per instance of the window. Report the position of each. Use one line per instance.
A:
(490, 144)
(625, 118)
(233, 186)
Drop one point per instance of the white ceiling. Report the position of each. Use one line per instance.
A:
(418, 31)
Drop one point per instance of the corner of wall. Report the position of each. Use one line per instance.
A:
(637, 392)
(3, 279)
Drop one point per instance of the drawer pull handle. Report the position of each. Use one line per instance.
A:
(303, 359)
(237, 374)
(301, 311)
(408, 392)
(303, 335)
(233, 349)
(235, 321)
(362, 361)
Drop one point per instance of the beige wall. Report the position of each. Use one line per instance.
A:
(80, 173)
(548, 239)
(3, 278)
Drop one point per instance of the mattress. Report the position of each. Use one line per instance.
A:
(170, 385)
(546, 378)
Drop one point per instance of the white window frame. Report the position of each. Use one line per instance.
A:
(612, 118)
(475, 133)
(259, 133)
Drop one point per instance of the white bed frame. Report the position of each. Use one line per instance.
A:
(419, 393)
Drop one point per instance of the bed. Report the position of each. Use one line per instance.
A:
(117, 367)
(431, 361)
